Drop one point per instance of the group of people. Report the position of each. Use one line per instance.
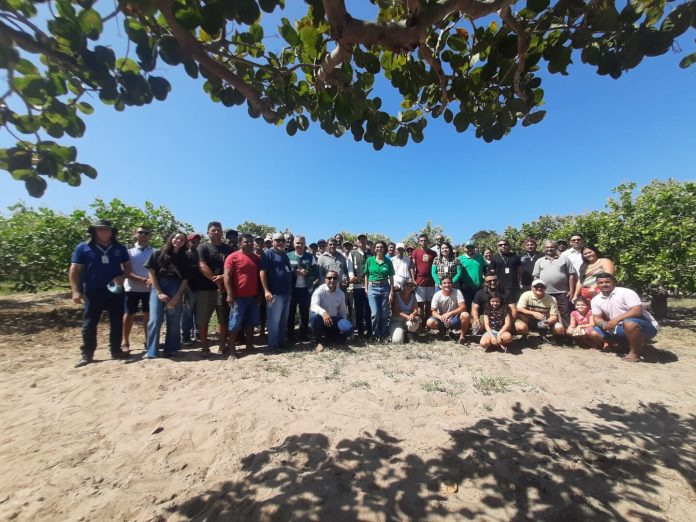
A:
(386, 292)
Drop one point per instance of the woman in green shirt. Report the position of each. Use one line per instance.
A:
(379, 281)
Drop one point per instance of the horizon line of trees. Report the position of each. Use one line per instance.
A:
(649, 233)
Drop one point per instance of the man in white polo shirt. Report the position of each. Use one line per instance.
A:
(619, 314)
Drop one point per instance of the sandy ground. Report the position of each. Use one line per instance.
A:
(423, 431)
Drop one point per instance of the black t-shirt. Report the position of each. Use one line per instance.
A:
(528, 267)
(214, 256)
(505, 267)
(481, 298)
(168, 267)
(196, 278)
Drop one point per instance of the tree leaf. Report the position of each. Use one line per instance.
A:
(91, 23)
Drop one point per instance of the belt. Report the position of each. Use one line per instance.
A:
(379, 283)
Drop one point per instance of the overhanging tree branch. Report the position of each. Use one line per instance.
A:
(197, 52)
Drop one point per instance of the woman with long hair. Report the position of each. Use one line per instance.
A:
(593, 264)
(447, 265)
(379, 281)
(168, 268)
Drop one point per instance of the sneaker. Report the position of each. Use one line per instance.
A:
(225, 350)
(120, 355)
(319, 347)
(147, 357)
(84, 361)
(187, 342)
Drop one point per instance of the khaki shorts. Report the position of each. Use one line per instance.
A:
(205, 305)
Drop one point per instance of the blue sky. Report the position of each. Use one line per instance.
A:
(207, 162)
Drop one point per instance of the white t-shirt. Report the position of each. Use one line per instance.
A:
(617, 303)
(443, 303)
(138, 256)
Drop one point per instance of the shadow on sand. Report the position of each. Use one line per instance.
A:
(532, 464)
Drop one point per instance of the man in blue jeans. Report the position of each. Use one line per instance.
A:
(329, 312)
(96, 264)
(276, 279)
(619, 314)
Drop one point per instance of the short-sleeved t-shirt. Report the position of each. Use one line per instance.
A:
(505, 267)
(245, 273)
(555, 272)
(378, 271)
(278, 271)
(618, 303)
(546, 305)
(422, 262)
(138, 255)
(446, 303)
(197, 281)
(474, 270)
(169, 267)
(100, 264)
(482, 297)
(214, 256)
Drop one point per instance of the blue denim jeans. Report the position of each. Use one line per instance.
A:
(96, 301)
(158, 311)
(277, 316)
(378, 296)
(322, 332)
(189, 325)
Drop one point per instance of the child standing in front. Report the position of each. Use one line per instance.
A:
(497, 322)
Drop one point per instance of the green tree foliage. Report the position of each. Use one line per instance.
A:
(474, 63)
(353, 236)
(160, 220)
(651, 236)
(430, 231)
(249, 227)
(36, 244)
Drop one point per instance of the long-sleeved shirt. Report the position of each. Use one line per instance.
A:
(334, 303)
(444, 267)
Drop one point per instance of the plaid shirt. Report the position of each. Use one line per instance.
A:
(446, 268)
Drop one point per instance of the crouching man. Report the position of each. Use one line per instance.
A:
(537, 310)
(448, 310)
(329, 313)
(619, 315)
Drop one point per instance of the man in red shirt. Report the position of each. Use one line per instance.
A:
(421, 272)
(243, 292)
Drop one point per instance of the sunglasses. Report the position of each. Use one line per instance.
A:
(503, 244)
(143, 232)
(330, 278)
(539, 287)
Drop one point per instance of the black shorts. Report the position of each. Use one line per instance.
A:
(132, 300)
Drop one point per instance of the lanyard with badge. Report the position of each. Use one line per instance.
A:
(104, 257)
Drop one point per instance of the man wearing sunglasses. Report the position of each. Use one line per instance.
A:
(137, 285)
(329, 313)
(508, 267)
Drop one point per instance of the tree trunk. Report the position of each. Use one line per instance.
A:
(658, 305)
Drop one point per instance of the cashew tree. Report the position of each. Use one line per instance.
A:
(478, 64)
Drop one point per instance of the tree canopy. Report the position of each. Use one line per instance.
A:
(475, 63)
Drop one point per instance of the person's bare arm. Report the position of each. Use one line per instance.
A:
(228, 279)
(75, 278)
(266, 289)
